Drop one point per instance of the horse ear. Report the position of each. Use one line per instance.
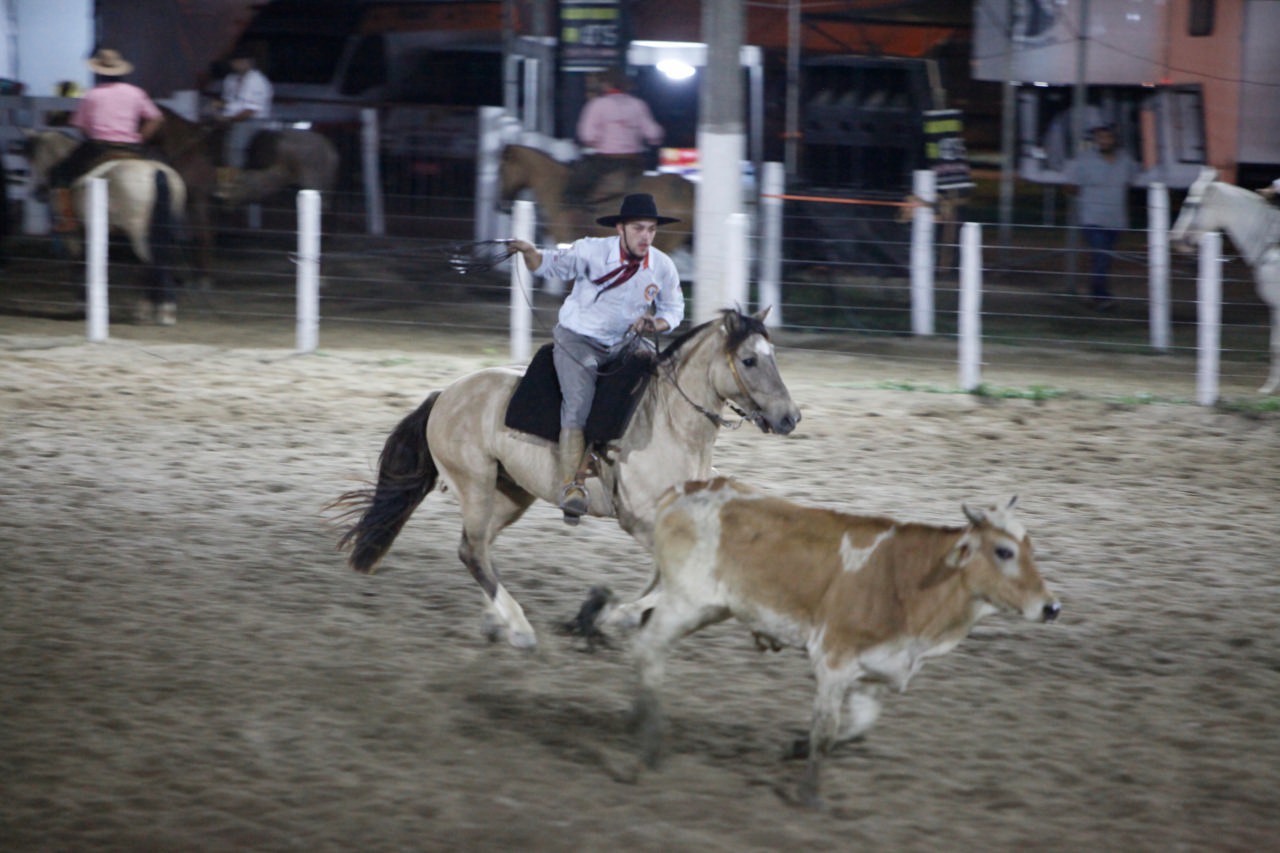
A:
(762, 313)
(732, 320)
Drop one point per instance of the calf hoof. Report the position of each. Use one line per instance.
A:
(797, 749)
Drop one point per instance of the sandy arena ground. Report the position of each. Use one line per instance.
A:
(186, 663)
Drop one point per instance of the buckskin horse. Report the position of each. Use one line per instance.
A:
(145, 200)
(459, 435)
(1254, 228)
(523, 168)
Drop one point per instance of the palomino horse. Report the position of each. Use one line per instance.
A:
(1253, 226)
(145, 200)
(528, 168)
(496, 473)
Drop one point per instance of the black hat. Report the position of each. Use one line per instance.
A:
(636, 206)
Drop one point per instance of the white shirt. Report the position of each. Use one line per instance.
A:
(248, 91)
(606, 313)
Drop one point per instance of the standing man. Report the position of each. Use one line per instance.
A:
(115, 117)
(617, 126)
(1100, 178)
(246, 100)
(622, 288)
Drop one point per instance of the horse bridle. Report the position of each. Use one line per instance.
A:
(756, 416)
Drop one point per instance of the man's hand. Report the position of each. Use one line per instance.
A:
(649, 323)
(532, 257)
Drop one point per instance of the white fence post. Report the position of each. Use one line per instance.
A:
(308, 270)
(737, 263)
(924, 187)
(773, 182)
(521, 284)
(1208, 317)
(372, 171)
(970, 306)
(1158, 266)
(95, 267)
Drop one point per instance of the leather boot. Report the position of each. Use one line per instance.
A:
(573, 494)
(65, 220)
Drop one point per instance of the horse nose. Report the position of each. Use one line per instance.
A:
(788, 423)
(1051, 611)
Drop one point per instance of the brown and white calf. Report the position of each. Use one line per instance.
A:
(869, 598)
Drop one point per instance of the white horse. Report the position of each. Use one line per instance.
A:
(145, 200)
(1254, 228)
(496, 473)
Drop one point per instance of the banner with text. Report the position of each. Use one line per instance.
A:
(593, 35)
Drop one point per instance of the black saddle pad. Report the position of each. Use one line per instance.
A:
(535, 406)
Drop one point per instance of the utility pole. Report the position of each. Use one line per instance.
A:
(721, 148)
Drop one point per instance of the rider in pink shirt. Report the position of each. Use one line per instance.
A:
(617, 126)
(113, 116)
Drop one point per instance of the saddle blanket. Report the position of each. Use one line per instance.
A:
(535, 405)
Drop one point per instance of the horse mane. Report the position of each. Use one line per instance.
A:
(745, 326)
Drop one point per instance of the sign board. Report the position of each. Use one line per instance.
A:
(593, 35)
(944, 149)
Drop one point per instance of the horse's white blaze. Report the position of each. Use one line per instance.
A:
(853, 558)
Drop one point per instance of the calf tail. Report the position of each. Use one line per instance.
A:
(406, 475)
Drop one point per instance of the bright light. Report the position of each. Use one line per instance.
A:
(675, 69)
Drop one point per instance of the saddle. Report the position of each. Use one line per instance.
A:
(534, 407)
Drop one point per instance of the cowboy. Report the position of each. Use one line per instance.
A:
(616, 125)
(622, 287)
(246, 101)
(115, 117)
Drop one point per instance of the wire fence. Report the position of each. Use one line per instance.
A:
(844, 287)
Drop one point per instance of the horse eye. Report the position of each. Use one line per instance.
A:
(749, 361)
(1004, 552)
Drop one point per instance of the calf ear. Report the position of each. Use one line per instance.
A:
(959, 554)
(955, 560)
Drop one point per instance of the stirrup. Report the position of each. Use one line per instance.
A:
(574, 501)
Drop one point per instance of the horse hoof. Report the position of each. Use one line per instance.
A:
(167, 315)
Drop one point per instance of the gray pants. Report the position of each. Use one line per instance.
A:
(577, 359)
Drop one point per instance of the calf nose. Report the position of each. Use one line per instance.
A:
(1051, 611)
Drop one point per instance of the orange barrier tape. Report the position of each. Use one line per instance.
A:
(842, 200)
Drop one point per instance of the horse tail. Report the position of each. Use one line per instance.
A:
(406, 474)
(162, 231)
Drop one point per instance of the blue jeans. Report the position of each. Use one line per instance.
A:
(1102, 242)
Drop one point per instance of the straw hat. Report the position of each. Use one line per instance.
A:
(109, 63)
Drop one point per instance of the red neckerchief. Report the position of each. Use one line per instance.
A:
(630, 265)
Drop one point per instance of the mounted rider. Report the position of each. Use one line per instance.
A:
(243, 109)
(617, 126)
(622, 287)
(116, 119)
